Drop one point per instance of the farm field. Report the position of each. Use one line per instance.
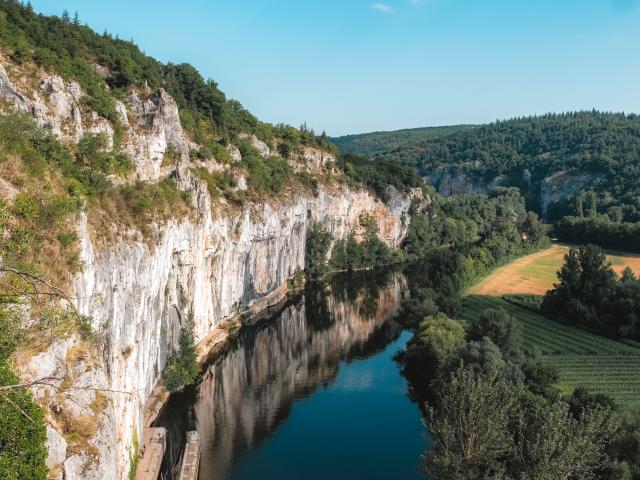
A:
(582, 359)
(536, 273)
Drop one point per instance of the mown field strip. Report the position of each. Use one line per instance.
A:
(582, 358)
(536, 273)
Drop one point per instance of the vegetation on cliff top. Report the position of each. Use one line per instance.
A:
(76, 52)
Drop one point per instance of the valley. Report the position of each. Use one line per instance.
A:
(448, 302)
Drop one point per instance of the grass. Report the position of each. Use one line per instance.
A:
(536, 273)
(582, 358)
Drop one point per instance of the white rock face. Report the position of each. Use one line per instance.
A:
(10, 94)
(261, 147)
(561, 185)
(57, 448)
(214, 264)
(158, 126)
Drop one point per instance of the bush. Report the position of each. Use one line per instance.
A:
(26, 206)
(316, 250)
(217, 182)
(530, 302)
(497, 325)
(182, 368)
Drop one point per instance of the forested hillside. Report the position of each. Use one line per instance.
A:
(409, 141)
(525, 151)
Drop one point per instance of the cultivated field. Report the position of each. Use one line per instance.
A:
(581, 358)
(536, 273)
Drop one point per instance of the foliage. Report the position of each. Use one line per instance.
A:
(22, 431)
(552, 443)
(589, 293)
(316, 251)
(217, 182)
(265, 176)
(498, 226)
(578, 357)
(370, 253)
(93, 154)
(484, 427)
(599, 230)
(378, 143)
(497, 325)
(182, 367)
(469, 429)
(525, 151)
(73, 50)
(379, 175)
(530, 302)
(439, 336)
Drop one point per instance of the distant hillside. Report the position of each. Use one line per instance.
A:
(565, 164)
(406, 141)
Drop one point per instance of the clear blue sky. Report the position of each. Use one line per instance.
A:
(351, 66)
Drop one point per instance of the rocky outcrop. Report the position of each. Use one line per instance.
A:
(452, 181)
(213, 267)
(9, 94)
(158, 125)
(560, 186)
(213, 264)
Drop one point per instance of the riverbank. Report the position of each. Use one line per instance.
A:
(256, 404)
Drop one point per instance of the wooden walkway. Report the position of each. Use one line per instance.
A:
(191, 458)
(154, 444)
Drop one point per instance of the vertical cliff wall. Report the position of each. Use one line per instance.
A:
(214, 264)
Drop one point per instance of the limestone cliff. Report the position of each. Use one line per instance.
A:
(215, 263)
(557, 186)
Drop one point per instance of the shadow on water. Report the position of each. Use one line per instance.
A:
(322, 342)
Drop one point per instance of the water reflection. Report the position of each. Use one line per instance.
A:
(249, 392)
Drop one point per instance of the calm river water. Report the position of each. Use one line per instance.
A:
(313, 393)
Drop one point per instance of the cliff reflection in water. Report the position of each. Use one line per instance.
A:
(245, 395)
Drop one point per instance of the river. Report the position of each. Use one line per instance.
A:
(312, 393)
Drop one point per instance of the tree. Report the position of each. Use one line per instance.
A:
(440, 336)
(579, 206)
(552, 444)
(182, 368)
(469, 429)
(585, 280)
(497, 325)
(316, 250)
(533, 228)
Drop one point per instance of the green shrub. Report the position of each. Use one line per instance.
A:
(217, 182)
(26, 206)
(22, 430)
(182, 368)
(317, 247)
(530, 302)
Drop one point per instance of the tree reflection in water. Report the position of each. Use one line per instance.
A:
(247, 393)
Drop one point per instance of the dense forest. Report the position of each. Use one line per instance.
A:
(602, 148)
(376, 143)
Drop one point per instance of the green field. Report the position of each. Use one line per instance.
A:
(584, 359)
